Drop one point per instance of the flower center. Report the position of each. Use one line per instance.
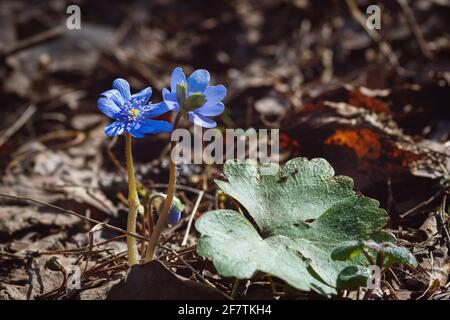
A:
(133, 113)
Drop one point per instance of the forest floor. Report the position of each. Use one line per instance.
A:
(374, 103)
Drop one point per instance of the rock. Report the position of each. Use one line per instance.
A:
(154, 281)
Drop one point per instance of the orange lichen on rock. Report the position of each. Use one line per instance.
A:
(364, 142)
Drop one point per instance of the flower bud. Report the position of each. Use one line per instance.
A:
(53, 264)
(174, 216)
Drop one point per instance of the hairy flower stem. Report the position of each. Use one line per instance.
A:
(133, 204)
(154, 239)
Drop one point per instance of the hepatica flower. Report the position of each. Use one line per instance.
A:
(132, 113)
(195, 97)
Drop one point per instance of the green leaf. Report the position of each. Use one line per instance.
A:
(395, 254)
(301, 213)
(347, 250)
(353, 277)
(237, 250)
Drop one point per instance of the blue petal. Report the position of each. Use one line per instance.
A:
(200, 120)
(174, 216)
(153, 126)
(124, 88)
(211, 111)
(108, 107)
(214, 94)
(115, 128)
(115, 96)
(143, 96)
(135, 133)
(155, 110)
(176, 78)
(171, 100)
(198, 81)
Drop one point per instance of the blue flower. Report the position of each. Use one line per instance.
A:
(174, 216)
(132, 113)
(194, 96)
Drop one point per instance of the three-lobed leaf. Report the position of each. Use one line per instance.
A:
(301, 214)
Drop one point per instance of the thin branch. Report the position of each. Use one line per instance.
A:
(422, 204)
(19, 123)
(385, 47)
(34, 40)
(412, 23)
(105, 225)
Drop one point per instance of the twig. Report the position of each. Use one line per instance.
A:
(422, 204)
(24, 117)
(180, 252)
(391, 289)
(410, 274)
(91, 244)
(191, 218)
(441, 215)
(412, 23)
(97, 267)
(80, 250)
(385, 47)
(34, 40)
(108, 226)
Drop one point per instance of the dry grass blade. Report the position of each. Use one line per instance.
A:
(191, 218)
